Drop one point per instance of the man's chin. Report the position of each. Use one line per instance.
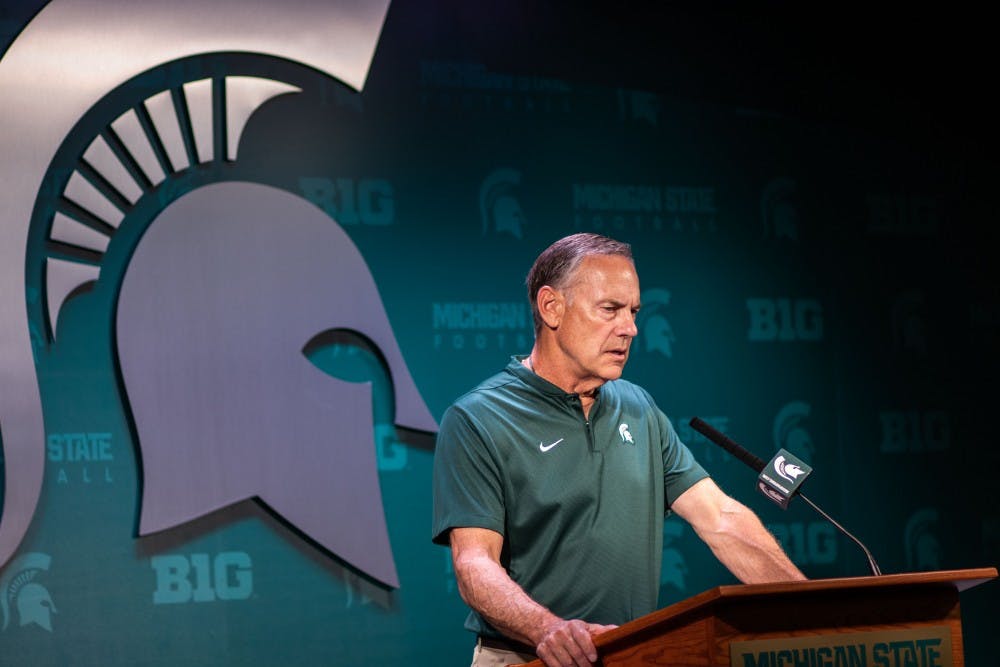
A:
(613, 371)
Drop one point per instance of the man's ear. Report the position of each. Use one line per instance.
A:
(551, 306)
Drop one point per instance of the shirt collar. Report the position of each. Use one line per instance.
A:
(532, 379)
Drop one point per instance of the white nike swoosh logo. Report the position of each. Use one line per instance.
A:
(546, 448)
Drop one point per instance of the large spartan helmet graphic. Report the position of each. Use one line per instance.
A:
(227, 273)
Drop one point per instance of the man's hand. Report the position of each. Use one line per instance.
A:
(570, 643)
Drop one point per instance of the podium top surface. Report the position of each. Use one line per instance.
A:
(959, 579)
(708, 601)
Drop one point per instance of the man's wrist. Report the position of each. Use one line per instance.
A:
(548, 624)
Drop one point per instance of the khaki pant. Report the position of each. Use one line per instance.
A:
(495, 657)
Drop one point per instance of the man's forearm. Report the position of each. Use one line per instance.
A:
(745, 546)
(486, 587)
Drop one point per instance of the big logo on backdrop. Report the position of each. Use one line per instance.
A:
(222, 282)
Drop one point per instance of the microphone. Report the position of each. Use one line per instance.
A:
(766, 483)
(782, 477)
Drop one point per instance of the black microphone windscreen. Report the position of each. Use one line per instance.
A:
(727, 443)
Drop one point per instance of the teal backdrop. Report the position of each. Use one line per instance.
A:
(808, 283)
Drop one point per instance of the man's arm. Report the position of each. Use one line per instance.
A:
(736, 536)
(486, 587)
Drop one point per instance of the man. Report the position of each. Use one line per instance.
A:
(551, 479)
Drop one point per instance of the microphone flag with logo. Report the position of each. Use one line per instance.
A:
(782, 476)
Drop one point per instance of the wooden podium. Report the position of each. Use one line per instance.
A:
(891, 620)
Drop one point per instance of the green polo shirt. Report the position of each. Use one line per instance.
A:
(580, 503)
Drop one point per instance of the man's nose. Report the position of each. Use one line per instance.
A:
(627, 326)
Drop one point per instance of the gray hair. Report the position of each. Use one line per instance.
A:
(557, 264)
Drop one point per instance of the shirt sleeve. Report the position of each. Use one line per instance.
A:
(680, 469)
(468, 486)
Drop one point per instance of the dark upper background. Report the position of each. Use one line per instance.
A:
(914, 72)
(919, 73)
(919, 76)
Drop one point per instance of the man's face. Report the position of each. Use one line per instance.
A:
(598, 322)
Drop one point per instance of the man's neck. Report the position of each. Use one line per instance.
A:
(540, 364)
